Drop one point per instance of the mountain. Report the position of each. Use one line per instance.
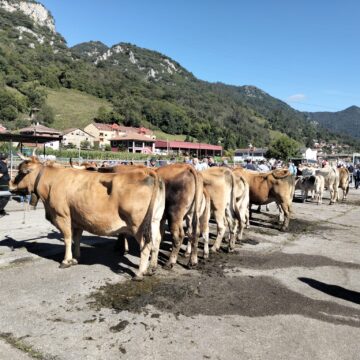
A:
(342, 122)
(139, 86)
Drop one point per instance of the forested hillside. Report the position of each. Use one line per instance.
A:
(140, 86)
(342, 122)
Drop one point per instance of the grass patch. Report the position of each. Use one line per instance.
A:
(73, 108)
(164, 136)
(19, 344)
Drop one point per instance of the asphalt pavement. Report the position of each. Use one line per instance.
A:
(292, 295)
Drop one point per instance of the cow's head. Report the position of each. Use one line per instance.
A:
(27, 173)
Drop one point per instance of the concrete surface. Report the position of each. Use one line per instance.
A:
(292, 295)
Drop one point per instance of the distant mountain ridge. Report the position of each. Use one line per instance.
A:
(142, 86)
(342, 122)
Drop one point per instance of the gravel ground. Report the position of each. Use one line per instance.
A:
(291, 295)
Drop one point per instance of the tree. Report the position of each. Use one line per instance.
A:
(283, 148)
(45, 115)
(85, 144)
(8, 113)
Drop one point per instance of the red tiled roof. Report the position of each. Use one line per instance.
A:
(39, 129)
(103, 127)
(185, 145)
(133, 136)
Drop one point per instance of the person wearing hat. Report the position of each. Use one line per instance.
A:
(4, 182)
(152, 162)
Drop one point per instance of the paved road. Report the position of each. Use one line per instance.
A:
(292, 295)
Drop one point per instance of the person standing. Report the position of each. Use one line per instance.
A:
(4, 183)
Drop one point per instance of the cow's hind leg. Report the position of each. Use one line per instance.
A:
(177, 233)
(64, 226)
(156, 233)
(220, 222)
(145, 248)
(233, 225)
(76, 235)
(286, 210)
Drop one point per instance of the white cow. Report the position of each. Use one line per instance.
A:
(331, 179)
(313, 184)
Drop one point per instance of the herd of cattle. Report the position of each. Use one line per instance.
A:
(139, 201)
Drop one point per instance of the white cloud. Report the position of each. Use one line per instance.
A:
(296, 98)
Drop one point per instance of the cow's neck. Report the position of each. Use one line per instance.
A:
(37, 180)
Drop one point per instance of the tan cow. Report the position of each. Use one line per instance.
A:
(184, 191)
(102, 204)
(344, 177)
(204, 219)
(184, 188)
(227, 192)
(274, 186)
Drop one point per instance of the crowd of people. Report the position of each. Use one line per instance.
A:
(200, 164)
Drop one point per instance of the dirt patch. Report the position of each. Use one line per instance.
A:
(209, 292)
(351, 202)
(280, 260)
(120, 326)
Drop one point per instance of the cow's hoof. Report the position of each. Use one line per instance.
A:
(186, 255)
(168, 266)
(73, 261)
(230, 250)
(150, 271)
(206, 256)
(283, 229)
(191, 265)
(64, 265)
(214, 249)
(138, 278)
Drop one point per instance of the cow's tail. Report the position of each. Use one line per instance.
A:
(234, 207)
(197, 199)
(146, 224)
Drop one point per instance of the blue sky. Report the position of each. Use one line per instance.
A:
(304, 52)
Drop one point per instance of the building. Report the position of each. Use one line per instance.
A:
(309, 154)
(253, 153)
(120, 130)
(134, 143)
(42, 130)
(76, 136)
(181, 147)
(102, 133)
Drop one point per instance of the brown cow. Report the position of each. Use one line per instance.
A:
(103, 204)
(277, 185)
(227, 192)
(184, 190)
(183, 200)
(344, 177)
(205, 210)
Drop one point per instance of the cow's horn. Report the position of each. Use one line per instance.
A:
(81, 167)
(22, 157)
(34, 152)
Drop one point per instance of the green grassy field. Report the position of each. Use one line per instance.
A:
(73, 108)
(163, 136)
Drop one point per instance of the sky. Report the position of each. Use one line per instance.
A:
(304, 52)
